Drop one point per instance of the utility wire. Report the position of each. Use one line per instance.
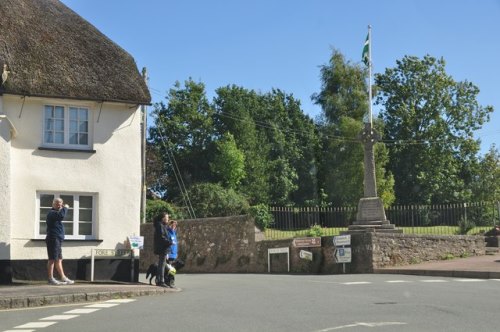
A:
(177, 173)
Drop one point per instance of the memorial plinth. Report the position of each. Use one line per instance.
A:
(371, 215)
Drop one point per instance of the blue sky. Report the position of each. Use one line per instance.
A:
(265, 44)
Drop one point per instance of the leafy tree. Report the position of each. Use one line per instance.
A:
(156, 172)
(156, 206)
(233, 109)
(343, 99)
(486, 183)
(212, 200)
(183, 133)
(292, 158)
(429, 123)
(229, 162)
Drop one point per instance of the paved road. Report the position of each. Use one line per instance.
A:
(242, 302)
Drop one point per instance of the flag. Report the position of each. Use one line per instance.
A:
(365, 57)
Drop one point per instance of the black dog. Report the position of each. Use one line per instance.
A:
(153, 269)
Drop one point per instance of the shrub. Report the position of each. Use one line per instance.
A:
(212, 200)
(464, 226)
(315, 231)
(263, 218)
(156, 206)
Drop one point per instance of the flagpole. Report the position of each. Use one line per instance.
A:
(370, 73)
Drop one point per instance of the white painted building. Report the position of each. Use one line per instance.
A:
(70, 127)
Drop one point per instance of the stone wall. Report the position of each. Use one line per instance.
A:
(405, 249)
(235, 245)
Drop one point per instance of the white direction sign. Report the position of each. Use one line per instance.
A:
(306, 255)
(342, 240)
(343, 255)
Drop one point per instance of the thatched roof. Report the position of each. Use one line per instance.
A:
(50, 51)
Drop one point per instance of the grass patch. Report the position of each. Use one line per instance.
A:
(275, 234)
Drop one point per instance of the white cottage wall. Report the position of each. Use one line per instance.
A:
(5, 185)
(112, 172)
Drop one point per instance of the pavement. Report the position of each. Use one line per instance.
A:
(36, 293)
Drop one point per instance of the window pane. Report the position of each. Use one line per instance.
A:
(43, 228)
(73, 113)
(59, 138)
(49, 111)
(83, 127)
(73, 139)
(43, 213)
(68, 228)
(83, 139)
(59, 125)
(49, 137)
(73, 126)
(85, 215)
(86, 202)
(49, 124)
(68, 199)
(85, 229)
(59, 112)
(84, 114)
(46, 200)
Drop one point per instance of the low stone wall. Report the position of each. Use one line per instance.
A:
(405, 249)
(235, 245)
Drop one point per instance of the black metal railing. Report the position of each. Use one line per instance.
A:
(444, 219)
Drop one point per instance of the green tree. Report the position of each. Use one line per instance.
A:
(278, 140)
(233, 113)
(344, 102)
(182, 133)
(486, 183)
(212, 200)
(229, 162)
(429, 123)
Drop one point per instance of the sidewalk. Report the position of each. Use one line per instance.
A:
(34, 294)
(38, 293)
(480, 267)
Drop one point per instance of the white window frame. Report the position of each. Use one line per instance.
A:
(66, 144)
(75, 209)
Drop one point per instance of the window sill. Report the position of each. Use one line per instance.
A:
(66, 149)
(72, 240)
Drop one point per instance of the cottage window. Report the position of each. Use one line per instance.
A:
(66, 127)
(79, 222)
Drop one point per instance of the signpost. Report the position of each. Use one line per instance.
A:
(307, 242)
(111, 253)
(343, 255)
(136, 242)
(342, 240)
(271, 251)
(306, 255)
(342, 250)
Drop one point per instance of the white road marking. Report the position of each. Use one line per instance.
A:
(60, 317)
(121, 301)
(433, 280)
(34, 325)
(356, 283)
(102, 305)
(495, 279)
(361, 324)
(469, 280)
(19, 331)
(397, 281)
(81, 311)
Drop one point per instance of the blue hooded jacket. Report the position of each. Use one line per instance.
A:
(173, 248)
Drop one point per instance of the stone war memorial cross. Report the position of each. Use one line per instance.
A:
(371, 215)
